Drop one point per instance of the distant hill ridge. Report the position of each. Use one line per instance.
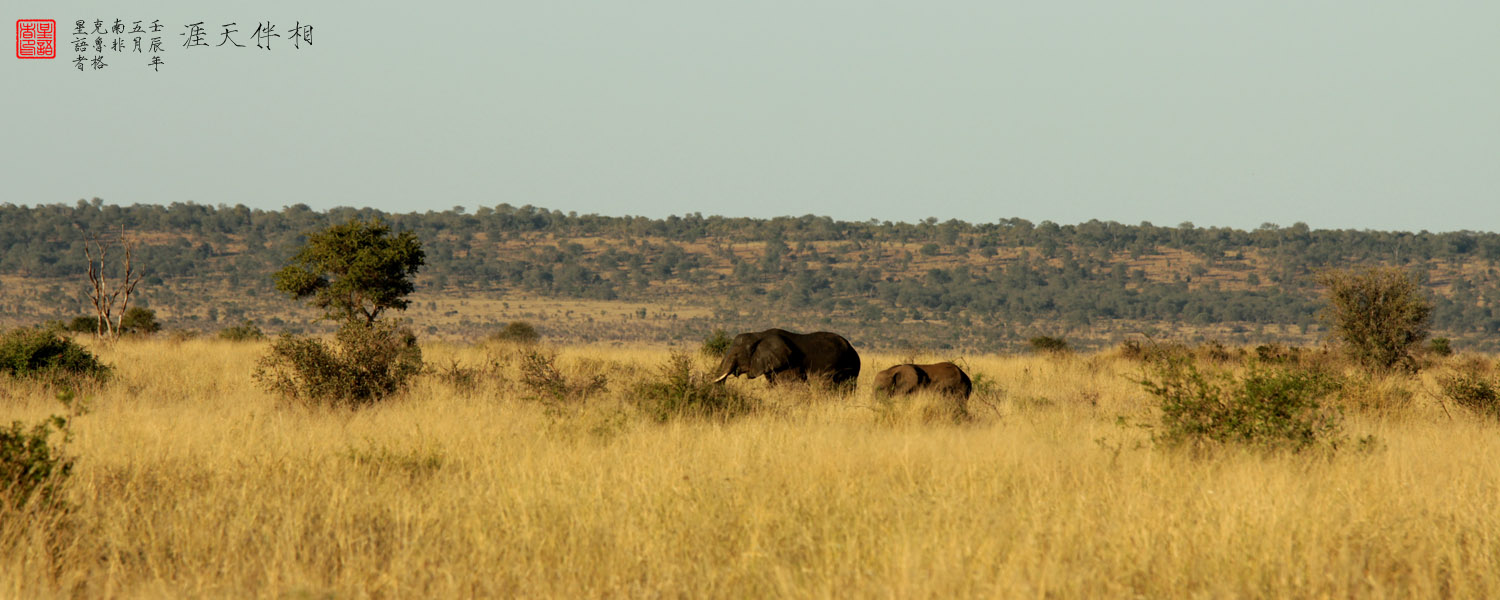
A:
(950, 282)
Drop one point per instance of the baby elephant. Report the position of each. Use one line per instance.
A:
(943, 377)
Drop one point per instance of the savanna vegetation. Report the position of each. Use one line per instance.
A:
(364, 463)
(516, 469)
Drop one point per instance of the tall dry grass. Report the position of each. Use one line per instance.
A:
(191, 482)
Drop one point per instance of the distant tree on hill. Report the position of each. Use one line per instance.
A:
(139, 320)
(354, 271)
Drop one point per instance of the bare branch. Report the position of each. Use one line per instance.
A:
(102, 294)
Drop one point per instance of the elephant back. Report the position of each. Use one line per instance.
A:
(830, 354)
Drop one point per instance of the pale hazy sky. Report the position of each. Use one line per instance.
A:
(1382, 115)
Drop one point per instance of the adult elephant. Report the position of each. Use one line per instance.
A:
(944, 378)
(781, 355)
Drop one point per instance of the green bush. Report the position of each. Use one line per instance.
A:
(1472, 390)
(1268, 406)
(244, 332)
(139, 320)
(680, 392)
(31, 466)
(365, 363)
(1379, 314)
(48, 355)
(516, 332)
(716, 344)
(1440, 346)
(83, 324)
(1043, 344)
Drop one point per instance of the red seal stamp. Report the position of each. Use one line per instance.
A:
(36, 38)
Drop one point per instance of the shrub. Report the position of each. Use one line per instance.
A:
(47, 355)
(139, 320)
(247, 331)
(82, 324)
(1268, 406)
(1214, 351)
(678, 391)
(31, 467)
(1278, 354)
(540, 375)
(716, 344)
(1472, 390)
(1440, 347)
(516, 332)
(1152, 350)
(463, 379)
(366, 363)
(1379, 314)
(1050, 345)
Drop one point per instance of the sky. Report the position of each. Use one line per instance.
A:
(1339, 114)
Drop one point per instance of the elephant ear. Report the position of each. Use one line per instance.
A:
(907, 378)
(770, 355)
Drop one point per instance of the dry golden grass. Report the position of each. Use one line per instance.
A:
(191, 482)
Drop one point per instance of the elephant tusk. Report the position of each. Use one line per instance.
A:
(722, 377)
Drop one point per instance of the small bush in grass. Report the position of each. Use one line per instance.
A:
(1268, 406)
(679, 391)
(1440, 346)
(1214, 351)
(47, 355)
(1133, 350)
(1043, 344)
(83, 324)
(716, 344)
(32, 467)
(547, 383)
(364, 364)
(516, 332)
(1151, 350)
(1278, 354)
(139, 320)
(1472, 390)
(247, 331)
(466, 379)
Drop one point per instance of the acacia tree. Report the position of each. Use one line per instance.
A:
(1379, 314)
(354, 271)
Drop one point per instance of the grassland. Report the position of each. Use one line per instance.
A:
(191, 482)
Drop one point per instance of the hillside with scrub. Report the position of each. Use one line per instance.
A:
(590, 278)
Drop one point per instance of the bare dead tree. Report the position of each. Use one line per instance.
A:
(102, 293)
